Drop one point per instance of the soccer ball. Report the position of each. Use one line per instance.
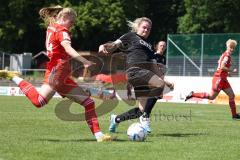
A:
(136, 132)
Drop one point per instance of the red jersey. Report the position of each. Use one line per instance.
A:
(55, 51)
(227, 60)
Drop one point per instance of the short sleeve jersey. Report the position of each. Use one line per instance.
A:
(227, 60)
(55, 35)
(137, 49)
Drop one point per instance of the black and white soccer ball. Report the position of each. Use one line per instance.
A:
(136, 132)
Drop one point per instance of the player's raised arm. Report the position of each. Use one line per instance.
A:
(109, 47)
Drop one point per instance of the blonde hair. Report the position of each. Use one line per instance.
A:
(135, 24)
(231, 42)
(69, 12)
(49, 14)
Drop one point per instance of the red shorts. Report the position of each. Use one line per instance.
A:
(58, 77)
(219, 84)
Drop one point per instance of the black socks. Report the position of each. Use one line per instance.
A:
(130, 114)
(149, 106)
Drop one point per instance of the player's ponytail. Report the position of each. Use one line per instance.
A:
(49, 14)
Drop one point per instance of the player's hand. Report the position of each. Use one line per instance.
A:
(102, 49)
(234, 70)
(88, 64)
(171, 86)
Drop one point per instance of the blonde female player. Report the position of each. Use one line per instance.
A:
(142, 70)
(58, 70)
(219, 81)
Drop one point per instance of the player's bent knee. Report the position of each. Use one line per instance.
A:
(88, 102)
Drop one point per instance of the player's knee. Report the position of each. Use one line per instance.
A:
(88, 103)
(156, 92)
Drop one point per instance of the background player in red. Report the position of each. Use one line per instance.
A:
(58, 69)
(219, 81)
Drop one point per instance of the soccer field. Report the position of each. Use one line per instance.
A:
(179, 131)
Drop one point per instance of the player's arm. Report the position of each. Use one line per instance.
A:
(74, 54)
(110, 47)
(224, 68)
(169, 84)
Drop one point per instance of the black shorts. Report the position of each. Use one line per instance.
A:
(139, 79)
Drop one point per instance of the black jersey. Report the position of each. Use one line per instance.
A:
(137, 49)
(160, 59)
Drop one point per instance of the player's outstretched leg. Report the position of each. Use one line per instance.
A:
(130, 114)
(27, 88)
(190, 95)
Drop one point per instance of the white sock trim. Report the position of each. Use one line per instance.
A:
(17, 80)
(98, 135)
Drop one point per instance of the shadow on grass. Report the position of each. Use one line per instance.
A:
(66, 140)
(76, 140)
(177, 134)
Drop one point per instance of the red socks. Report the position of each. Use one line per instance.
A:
(200, 95)
(90, 115)
(231, 101)
(232, 107)
(32, 94)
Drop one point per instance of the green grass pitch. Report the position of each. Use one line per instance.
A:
(179, 132)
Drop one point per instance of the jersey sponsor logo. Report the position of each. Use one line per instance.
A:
(149, 46)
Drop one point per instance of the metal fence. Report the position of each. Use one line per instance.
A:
(197, 54)
(4, 60)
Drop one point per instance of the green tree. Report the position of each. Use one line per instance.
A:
(98, 22)
(210, 16)
(164, 15)
(19, 26)
(21, 29)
